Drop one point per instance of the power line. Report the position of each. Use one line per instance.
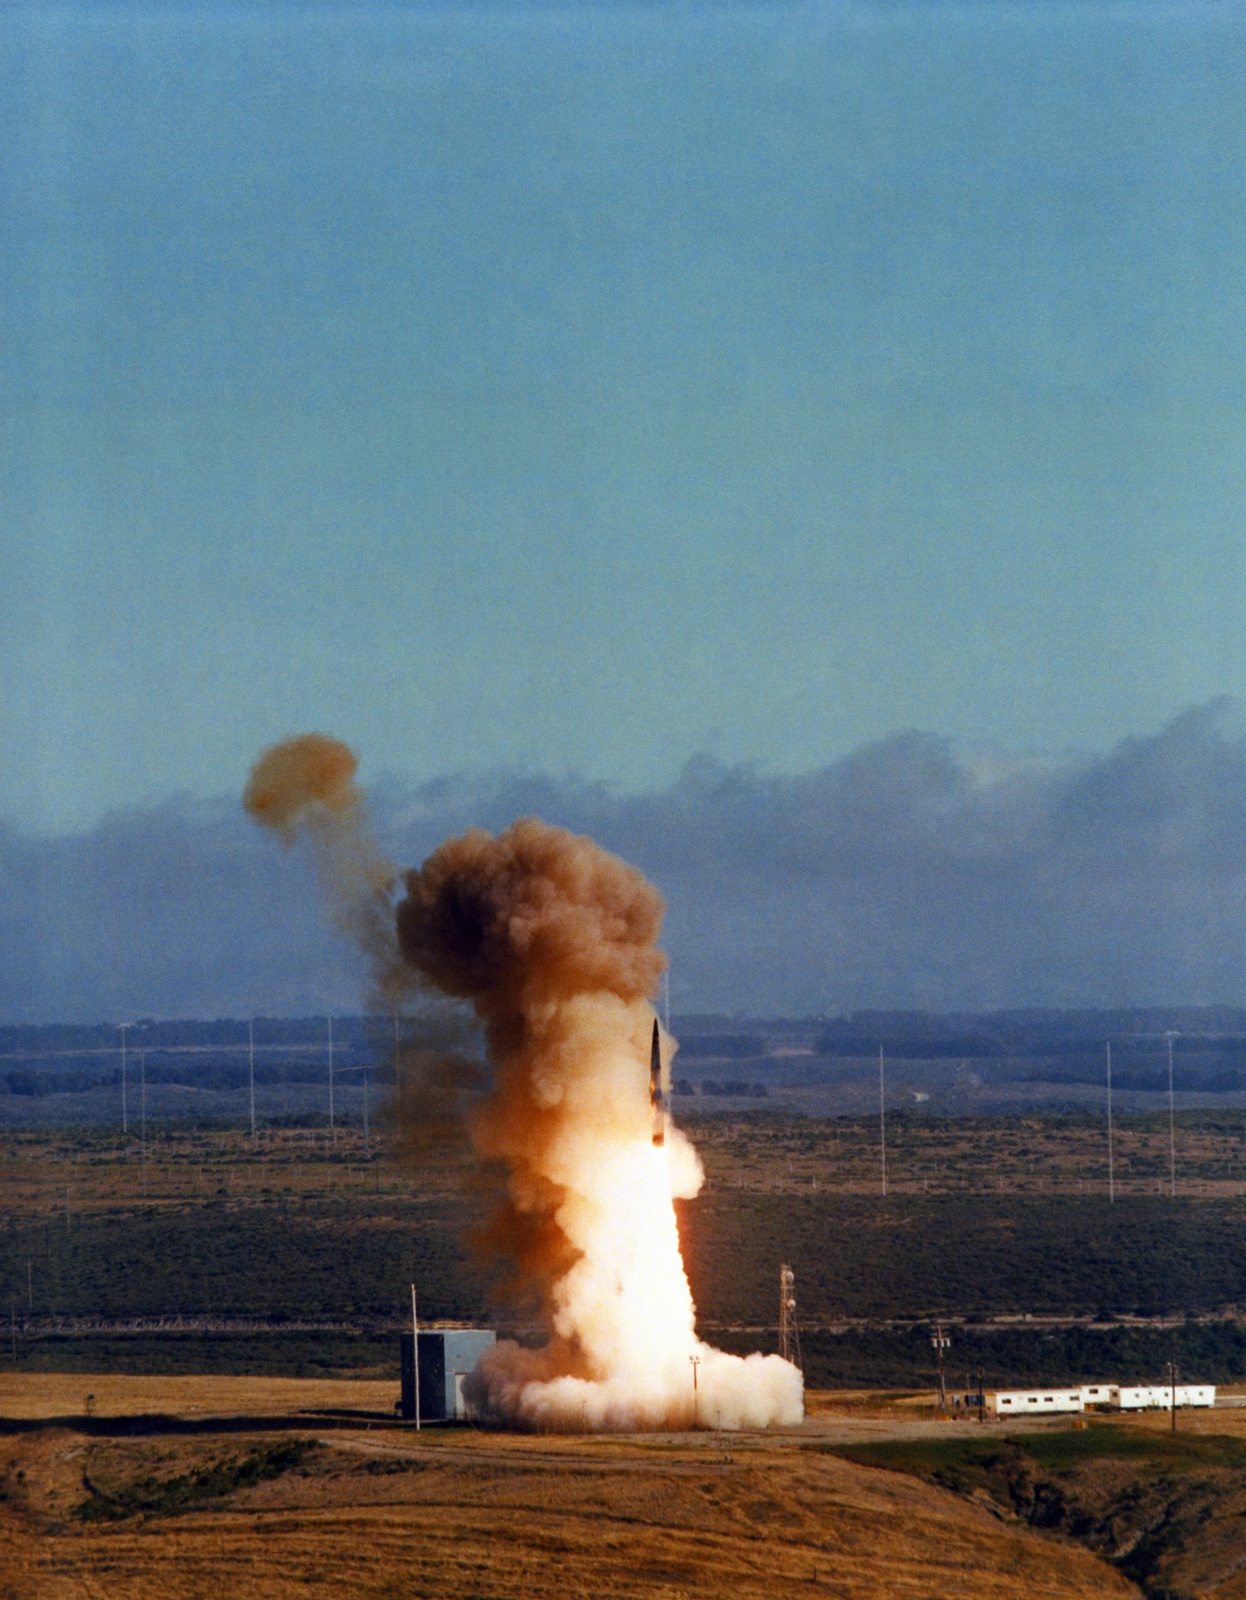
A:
(1172, 1129)
(882, 1122)
(1111, 1175)
(332, 1129)
(124, 1121)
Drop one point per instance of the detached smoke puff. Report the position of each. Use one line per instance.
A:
(290, 780)
(553, 941)
(307, 785)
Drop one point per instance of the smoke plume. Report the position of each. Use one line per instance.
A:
(553, 941)
(307, 785)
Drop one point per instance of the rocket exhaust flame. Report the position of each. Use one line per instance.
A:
(553, 942)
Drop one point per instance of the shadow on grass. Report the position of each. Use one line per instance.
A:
(146, 1423)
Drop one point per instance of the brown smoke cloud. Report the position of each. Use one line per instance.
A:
(292, 779)
(553, 940)
(306, 785)
(532, 916)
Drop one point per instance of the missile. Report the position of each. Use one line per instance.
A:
(655, 1089)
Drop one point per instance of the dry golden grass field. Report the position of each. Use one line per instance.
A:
(221, 1499)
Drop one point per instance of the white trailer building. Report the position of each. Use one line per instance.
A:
(1008, 1403)
(1158, 1396)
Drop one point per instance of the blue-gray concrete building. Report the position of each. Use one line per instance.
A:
(447, 1355)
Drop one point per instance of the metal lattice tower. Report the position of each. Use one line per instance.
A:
(789, 1333)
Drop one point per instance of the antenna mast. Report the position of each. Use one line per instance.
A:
(789, 1333)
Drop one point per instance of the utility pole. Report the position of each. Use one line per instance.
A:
(332, 1129)
(981, 1397)
(365, 1113)
(124, 1122)
(415, 1356)
(251, 1059)
(1172, 1128)
(882, 1122)
(941, 1343)
(142, 1075)
(1172, 1384)
(696, 1420)
(1110, 1176)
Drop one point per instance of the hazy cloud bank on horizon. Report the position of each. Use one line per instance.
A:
(906, 874)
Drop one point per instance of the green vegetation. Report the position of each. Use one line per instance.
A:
(1212, 1352)
(164, 1497)
(989, 1463)
(302, 1353)
(351, 1256)
(1159, 1506)
(857, 1256)
(324, 1259)
(292, 1253)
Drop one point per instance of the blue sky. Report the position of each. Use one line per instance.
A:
(580, 388)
